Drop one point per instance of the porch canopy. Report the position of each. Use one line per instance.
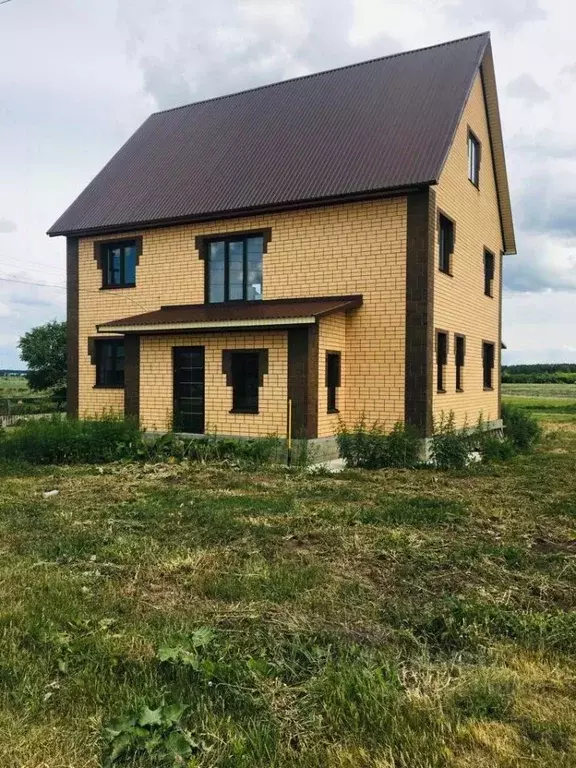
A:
(246, 314)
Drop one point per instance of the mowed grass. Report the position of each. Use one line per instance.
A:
(381, 620)
(549, 403)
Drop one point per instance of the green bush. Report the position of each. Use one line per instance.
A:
(521, 428)
(496, 449)
(374, 448)
(67, 441)
(213, 448)
(111, 438)
(450, 448)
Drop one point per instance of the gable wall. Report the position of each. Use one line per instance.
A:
(460, 305)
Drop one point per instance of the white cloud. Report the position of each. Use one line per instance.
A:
(525, 87)
(7, 226)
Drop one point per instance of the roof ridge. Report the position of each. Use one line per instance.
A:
(322, 72)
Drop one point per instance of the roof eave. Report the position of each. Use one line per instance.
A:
(352, 197)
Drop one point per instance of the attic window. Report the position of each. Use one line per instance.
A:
(473, 159)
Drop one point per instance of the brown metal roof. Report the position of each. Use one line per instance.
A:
(384, 124)
(229, 315)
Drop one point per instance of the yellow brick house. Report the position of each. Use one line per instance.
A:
(334, 241)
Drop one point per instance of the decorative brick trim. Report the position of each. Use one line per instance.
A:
(99, 246)
(227, 363)
(72, 325)
(313, 360)
(132, 376)
(419, 360)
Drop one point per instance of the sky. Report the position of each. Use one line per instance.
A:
(77, 78)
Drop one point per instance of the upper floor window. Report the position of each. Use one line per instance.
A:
(488, 273)
(445, 244)
(473, 159)
(118, 262)
(234, 269)
(109, 363)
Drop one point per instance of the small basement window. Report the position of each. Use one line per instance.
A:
(332, 380)
(488, 364)
(460, 353)
(109, 363)
(245, 370)
(445, 244)
(441, 360)
(488, 273)
(473, 159)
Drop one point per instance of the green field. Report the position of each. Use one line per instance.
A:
(257, 618)
(17, 397)
(549, 403)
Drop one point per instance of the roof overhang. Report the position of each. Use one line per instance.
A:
(499, 158)
(237, 213)
(205, 326)
(268, 314)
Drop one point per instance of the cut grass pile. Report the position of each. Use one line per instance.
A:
(276, 618)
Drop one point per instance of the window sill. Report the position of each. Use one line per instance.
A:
(332, 410)
(488, 389)
(444, 272)
(244, 410)
(476, 186)
(117, 287)
(489, 295)
(441, 391)
(106, 386)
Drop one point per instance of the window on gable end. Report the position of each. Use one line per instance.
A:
(445, 244)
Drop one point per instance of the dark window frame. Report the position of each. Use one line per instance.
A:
(446, 245)
(441, 360)
(102, 254)
(333, 380)
(230, 367)
(489, 273)
(460, 360)
(203, 244)
(474, 169)
(115, 378)
(488, 364)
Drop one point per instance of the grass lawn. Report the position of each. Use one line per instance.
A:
(398, 618)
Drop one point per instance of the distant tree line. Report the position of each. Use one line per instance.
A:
(539, 373)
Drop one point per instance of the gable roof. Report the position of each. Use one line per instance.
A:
(358, 131)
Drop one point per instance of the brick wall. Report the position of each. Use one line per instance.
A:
(332, 338)
(460, 305)
(156, 383)
(344, 249)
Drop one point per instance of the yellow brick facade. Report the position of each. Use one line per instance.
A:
(460, 306)
(156, 374)
(356, 248)
(332, 338)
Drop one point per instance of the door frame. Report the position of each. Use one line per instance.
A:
(175, 351)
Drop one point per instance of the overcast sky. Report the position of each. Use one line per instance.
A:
(78, 77)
